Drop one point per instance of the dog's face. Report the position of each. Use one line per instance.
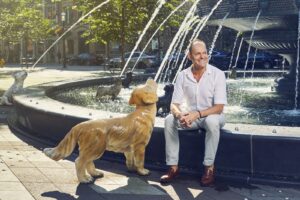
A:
(20, 76)
(145, 94)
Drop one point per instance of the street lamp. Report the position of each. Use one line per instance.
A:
(63, 19)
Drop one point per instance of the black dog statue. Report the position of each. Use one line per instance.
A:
(127, 80)
(165, 100)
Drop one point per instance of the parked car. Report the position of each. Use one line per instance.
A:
(145, 61)
(220, 59)
(263, 60)
(85, 59)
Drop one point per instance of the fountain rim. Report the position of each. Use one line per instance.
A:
(37, 98)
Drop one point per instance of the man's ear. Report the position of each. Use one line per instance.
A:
(189, 56)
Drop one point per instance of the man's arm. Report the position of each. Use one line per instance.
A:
(216, 109)
(175, 110)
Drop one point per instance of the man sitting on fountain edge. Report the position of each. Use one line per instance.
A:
(203, 86)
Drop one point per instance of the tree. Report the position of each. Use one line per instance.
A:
(23, 20)
(123, 20)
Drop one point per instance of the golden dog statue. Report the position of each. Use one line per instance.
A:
(129, 135)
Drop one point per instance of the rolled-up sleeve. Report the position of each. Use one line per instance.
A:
(220, 96)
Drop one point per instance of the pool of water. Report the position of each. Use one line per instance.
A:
(250, 101)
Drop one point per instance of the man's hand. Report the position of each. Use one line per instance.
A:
(187, 119)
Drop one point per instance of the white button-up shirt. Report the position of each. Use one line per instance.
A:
(210, 90)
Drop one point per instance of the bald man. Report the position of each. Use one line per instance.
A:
(203, 88)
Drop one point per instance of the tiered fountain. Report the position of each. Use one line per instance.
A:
(276, 30)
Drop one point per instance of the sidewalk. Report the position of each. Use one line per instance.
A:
(26, 174)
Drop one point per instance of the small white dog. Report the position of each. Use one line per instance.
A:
(16, 87)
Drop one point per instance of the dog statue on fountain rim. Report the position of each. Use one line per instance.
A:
(110, 91)
(15, 88)
(129, 135)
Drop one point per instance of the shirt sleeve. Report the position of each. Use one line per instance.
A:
(178, 89)
(220, 96)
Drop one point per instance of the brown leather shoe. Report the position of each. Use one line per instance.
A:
(170, 176)
(208, 176)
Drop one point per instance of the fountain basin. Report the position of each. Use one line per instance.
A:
(246, 157)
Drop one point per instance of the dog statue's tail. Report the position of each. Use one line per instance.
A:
(64, 148)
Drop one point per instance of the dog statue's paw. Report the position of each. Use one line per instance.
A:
(131, 168)
(143, 172)
(86, 179)
(97, 173)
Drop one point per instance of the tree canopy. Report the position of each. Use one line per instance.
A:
(124, 18)
(22, 18)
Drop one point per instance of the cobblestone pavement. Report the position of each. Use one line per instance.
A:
(27, 174)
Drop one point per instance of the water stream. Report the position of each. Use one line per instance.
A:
(232, 52)
(156, 11)
(68, 30)
(196, 34)
(189, 14)
(216, 36)
(155, 32)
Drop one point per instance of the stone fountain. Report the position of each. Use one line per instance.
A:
(276, 29)
(249, 157)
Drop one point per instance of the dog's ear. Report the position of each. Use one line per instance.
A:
(150, 98)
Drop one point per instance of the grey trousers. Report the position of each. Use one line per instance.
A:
(211, 124)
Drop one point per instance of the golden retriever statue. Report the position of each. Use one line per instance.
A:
(129, 135)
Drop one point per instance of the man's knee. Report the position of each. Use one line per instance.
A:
(212, 122)
(170, 120)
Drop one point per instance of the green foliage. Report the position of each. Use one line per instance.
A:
(22, 18)
(106, 24)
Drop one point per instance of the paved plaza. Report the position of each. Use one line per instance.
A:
(27, 174)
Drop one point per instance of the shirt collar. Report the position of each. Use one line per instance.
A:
(188, 71)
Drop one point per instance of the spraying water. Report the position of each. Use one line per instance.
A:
(161, 3)
(193, 21)
(190, 23)
(69, 29)
(250, 42)
(216, 36)
(165, 20)
(238, 53)
(181, 28)
(253, 64)
(232, 52)
(196, 33)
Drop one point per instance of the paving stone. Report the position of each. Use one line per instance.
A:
(109, 188)
(59, 175)
(36, 156)
(38, 189)
(7, 175)
(15, 195)
(79, 191)
(30, 175)
(11, 186)
(66, 164)
(46, 164)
